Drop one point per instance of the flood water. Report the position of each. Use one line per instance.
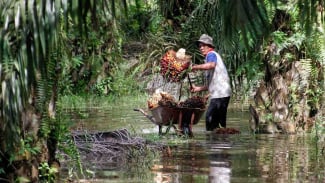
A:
(208, 157)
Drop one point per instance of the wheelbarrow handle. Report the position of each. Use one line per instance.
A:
(189, 80)
(151, 118)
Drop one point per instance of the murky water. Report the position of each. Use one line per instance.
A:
(209, 157)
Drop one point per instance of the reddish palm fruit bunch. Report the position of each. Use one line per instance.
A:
(227, 131)
(194, 102)
(172, 68)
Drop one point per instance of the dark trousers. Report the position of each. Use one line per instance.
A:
(216, 113)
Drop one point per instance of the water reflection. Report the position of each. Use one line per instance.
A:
(220, 164)
(207, 159)
(214, 158)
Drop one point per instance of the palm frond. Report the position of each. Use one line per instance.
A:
(27, 37)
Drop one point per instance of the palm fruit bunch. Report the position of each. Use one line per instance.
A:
(167, 100)
(153, 100)
(161, 99)
(174, 65)
(226, 131)
(194, 102)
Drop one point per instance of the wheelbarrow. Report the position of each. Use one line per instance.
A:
(184, 118)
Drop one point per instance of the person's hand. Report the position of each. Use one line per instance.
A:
(194, 88)
(193, 68)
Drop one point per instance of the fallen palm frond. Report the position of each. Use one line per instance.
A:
(102, 150)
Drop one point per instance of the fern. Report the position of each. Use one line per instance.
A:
(305, 73)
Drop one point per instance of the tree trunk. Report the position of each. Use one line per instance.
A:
(282, 105)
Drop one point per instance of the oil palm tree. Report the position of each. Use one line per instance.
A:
(29, 69)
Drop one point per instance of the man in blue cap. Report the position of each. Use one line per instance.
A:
(218, 84)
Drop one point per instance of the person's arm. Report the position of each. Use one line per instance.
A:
(198, 88)
(205, 66)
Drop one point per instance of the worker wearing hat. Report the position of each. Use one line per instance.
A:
(218, 84)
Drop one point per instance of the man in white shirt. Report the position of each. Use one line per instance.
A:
(218, 84)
